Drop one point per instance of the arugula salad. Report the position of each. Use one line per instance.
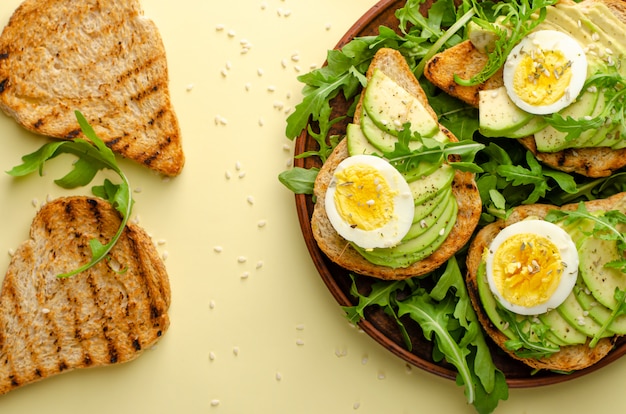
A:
(506, 174)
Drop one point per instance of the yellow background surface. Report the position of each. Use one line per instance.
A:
(253, 328)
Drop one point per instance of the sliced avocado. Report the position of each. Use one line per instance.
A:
(424, 209)
(597, 311)
(563, 331)
(536, 123)
(390, 106)
(382, 140)
(357, 142)
(602, 281)
(429, 186)
(498, 115)
(483, 39)
(579, 319)
(428, 220)
(416, 249)
(587, 104)
(490, 303)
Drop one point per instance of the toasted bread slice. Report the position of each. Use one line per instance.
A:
(103, 59)
(393, 64)
(106, 315)
(465, 60)
(569, 358)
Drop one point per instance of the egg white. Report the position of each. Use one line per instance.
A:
(392, 232)
(567, 250)
(547, 40)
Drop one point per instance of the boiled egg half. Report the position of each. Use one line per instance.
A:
(531, 266)
(545, 72)
(369, 202)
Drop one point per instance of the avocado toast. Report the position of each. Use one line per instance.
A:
(568, 330)
(467, 203)
(597, 25)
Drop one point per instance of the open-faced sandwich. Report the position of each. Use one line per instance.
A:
(386, 219)
(557, 90)
(546, 283)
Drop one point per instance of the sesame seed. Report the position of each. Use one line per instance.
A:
(45, 311)
(261, 223)
(595, 36)
(242, 259)
(381, 375)
(242, 174)
(259, 71)
(218, 249)
(245, 275)
(232, 33)
(211, 356)
(247, 86)
(259, 264)
(364, 360)
(34, 202)
(261, 122)
(11, 252)
(236, 351)
(299, 342)
(271, 88)
(219, 27)
(356, 405)
(165, 255)
(250, 200)
(211, 304)
(237, 165)
(442, 232)
(227, 174)
(215, 403)
(279, 376)
(328, 26)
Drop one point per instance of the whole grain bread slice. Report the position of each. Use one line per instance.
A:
(104, 59)
(393, 64)
(569, 358)
(106, 315)
(465, 60)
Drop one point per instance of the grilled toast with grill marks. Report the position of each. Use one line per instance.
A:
(108, 314)
(466, 60)
(103, 58)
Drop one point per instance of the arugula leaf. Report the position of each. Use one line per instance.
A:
(447, 306)
(93, 155)
(620, 309)
(536, 177)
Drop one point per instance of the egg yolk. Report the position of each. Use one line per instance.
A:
(527, 269)
(542, 77)
(363, 197)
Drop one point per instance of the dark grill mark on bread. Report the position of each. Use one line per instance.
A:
(96, 318)
(3, 84)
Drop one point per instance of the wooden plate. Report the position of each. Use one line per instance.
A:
(378, 325)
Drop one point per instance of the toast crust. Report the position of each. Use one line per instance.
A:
(465, 60)
(393, 64)
(106, 315)
(102, 58)
(569, 358)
